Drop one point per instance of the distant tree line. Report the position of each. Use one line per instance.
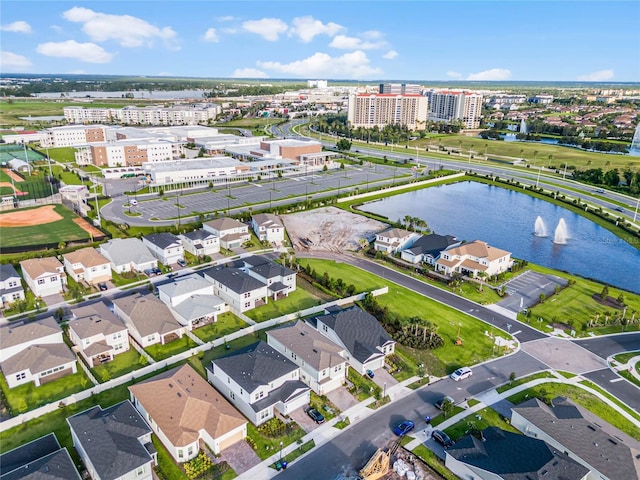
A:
(610, 178)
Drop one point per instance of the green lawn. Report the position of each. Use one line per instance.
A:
(549, 391)
(363, 387)
(301, 450)
(438, 419)
(406, 303)
(430, 458)
(625, 357)
(160, 352)
(122, 364)
(267, 446)
(166, 465)
(63, 230)
(64, 155)
(520, 381)
(300, 299)
(125, 278)
(487, 417)
(227, 323)
(27, 397)
(323, 405)
(342, 424)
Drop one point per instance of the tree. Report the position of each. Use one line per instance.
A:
(201, 152)
(605, 293)
(343, 145)
(447, 407)
(512, 377)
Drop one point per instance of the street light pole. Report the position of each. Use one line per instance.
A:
(635, 214)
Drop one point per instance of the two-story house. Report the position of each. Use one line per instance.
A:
(44, 276)
(364, 340)
(238, 289)
(231, 232)
(394, 240)
(192, 300)
(259, 380)
(321, 361)
(128, 255)
(166, 247)
(148, 319)
(280, 280)
(10, 285)
(87, 265)
(114, 443)
(97, 333)
(184, 411)
(268, 228)
(427, 248)
(473, 259)
(200, 243)
(34, 352)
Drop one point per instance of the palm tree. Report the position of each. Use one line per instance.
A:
(550, 158)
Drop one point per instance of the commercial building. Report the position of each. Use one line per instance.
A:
(400, 88)
(73, 135)
(303, 154)
(369, 110)
(190, 114)
(126, 153)
(192, 173)
(447, 106)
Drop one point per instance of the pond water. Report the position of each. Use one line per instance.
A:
(507, 219)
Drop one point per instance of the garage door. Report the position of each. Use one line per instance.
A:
(233, 439)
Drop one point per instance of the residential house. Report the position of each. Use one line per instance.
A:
(259, 380)
(44, 276)
(192, 300)
(473, 259)
(166, 247)
(321, 361)
(97, 333)
(40, 459)
(365, 341)
(114, 443)
(280, 280)
(34, 352)
(427, 248)
(231, 232)
(241, 291)
(394, 240)
(128, 255)
(600, 447)
(87, 265)
(184, 411)
(200, 243)
(268, 228)
(502, 455)
(148, 319)
(10, 285)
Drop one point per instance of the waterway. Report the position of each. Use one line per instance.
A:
(505, 219)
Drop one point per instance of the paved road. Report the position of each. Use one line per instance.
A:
(612, 344)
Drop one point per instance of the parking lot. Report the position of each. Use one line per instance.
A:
(525, 289)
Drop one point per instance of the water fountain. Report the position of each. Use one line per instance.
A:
(635, 143)
(523, 127)
(561, 235)
(540, 229)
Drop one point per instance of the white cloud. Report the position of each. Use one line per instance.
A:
(211, 36)
(13, 61)
(248, 73)
(492, 74)
(86, 52)
(230, 31)
(268, 28)
(372, 35)
(226, 18)
(128, 31)
(56, 28)
(308, 27)
(390, 55)
(452, 74)
(350, 65)
(599, 76)
(344, 42)
(19, 27)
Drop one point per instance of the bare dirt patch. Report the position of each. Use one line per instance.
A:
(30, 218)
(329, 229)
(87, 227)
(12, 174)
(15, 189)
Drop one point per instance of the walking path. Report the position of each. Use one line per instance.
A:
(630, 366)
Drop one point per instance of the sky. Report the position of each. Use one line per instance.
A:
(356, 40)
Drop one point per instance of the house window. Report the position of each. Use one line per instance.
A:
(247, 295)
(54, 279)
(151, 338)
(247, 305)
(261, 394)
(21, 376)
(140, 471)
(294, 356)
(232, 395)
(16, 296)
(180, 453)
(190, 452)
(264, 414)
(324, 328)
(41, 281)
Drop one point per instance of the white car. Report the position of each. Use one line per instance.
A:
(461, 374)
(133, 202)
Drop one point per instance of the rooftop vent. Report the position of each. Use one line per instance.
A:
(591, 428)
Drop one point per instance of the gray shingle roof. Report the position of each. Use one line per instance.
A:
(617, 457)
(94, 319)
(234, 279)
(110, 438)
(148, 314)
(272, 270)
(22, 332)
(55, 466)
(28, 452)
(256, 365)
(38, 358)
(199, 234)
(7, 271)
(268, 220)
(360, 332)
(513, 456)
(432, 244)
(123, 251)
(162, 240)
(286, 392)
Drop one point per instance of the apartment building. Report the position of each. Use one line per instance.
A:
(446, 106)
(73, 135)
(189, 114)
(400, 88)
(369, 110)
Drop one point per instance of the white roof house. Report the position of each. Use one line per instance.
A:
(128, 254)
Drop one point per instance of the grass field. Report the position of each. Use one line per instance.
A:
(35, 186)
(49, 233)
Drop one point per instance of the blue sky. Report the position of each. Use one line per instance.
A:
(409, 40)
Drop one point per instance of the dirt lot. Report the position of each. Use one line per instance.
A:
(329, 229)
(36, 216)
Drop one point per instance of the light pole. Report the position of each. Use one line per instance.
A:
(270, 199)
(538, 179)
(50, 171)
(635, 214)
(281, 451)
(384, 390)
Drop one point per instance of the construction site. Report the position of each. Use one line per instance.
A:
(394, 463)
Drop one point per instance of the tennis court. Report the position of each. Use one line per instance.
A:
(9, 152)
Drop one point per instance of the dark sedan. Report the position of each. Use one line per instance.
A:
(442, 438)
(315, 415)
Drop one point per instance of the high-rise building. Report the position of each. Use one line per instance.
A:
(445, 106)
(369, 110)
(400, 88)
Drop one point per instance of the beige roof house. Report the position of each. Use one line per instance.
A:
(36, 267)
(89, 257)
(183, 406)
(473, 258)
(45, 276)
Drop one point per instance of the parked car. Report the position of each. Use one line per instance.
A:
(182, 262)
(103, 287)
(157, 271)
(461, 374)
(370, 374)
(619, 209)
(403, 428)
(442, 438)
(440, 402)
(315, 415)
(133, 203)
(149, 272)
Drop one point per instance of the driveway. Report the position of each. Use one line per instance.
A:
(301, 418)
(53, 299)
(384, 379)
(240, 456)
(342, 399)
